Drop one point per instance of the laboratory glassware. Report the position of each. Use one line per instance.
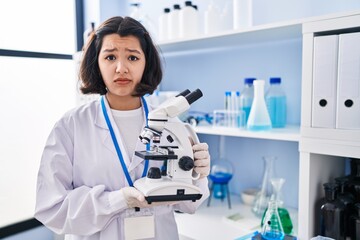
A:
(272, 228)
(354, 223)
(276, 103)
(285, 219)
(263, 196)
(259, 119)
(332, 214)
(220, 175)
(354, 181)
(347, 199)
(247, 97)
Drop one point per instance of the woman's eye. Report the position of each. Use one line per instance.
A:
(111, 58)
(133, 58)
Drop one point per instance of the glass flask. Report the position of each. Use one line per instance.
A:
(272, 228)
(332, 214)
(220, 174)
(263, 196)
(259, 119)
(285, 219)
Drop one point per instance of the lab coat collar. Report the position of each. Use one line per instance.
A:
(107, 141)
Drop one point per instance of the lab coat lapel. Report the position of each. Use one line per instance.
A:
(106, 136)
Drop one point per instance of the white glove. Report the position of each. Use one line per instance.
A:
(201, 159)
(135, 198)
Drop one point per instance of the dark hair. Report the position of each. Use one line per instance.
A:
(90, 76)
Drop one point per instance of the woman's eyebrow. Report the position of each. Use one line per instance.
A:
(133, 50)
(109, 50)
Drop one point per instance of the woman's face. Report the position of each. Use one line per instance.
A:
(122, 63)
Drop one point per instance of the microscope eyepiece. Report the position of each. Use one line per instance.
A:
(193, 96)
(183, 93)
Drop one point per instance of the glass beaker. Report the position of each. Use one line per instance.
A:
(263, 196)
(272, 229)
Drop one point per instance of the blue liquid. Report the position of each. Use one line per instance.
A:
(273, 235)
(277, 110)
(220, 180)
(247, 112)
(259, 127)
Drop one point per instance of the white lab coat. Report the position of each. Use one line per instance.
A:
(80, 177)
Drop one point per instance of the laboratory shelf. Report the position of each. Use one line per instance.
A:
(214, 222)
(258, 34)
(289, 133)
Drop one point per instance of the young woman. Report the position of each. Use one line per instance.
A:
(83, 191)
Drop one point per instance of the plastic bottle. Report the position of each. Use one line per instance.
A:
(247, 97)
(144, 19)
(189, 21)
(163, 24)
(259, 119)
(242, 14)
(332, 218)
(174, 22)
(211, 19)
(276, 103)
(354, 181)
(226, 16)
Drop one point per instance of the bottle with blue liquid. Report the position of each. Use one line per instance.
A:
(259, 119)
(276, 103)
(246, 97)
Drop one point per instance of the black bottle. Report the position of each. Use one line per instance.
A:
(355, 223)
(354, 182)
(347, 199)
(332, 214)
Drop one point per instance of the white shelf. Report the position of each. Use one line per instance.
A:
(253, 35)
(289, 133)
(210, 223)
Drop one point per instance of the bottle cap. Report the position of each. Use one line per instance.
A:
(188, 3)
(330, 186)
(227, 93)
(249, 80)
(166, 10)
(275, 80)
(176, 6)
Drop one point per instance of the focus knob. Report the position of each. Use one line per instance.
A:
(186, 163)
(154, 173)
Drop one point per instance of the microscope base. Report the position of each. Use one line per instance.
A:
(167, 190)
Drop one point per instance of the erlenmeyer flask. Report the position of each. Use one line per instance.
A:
(286, 222)
(272, 229)
(263, 196)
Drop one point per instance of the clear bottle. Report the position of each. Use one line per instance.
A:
(259, 119)
(262, 197)
(354, 182)
(163, 24)
(189, 21)
(276, 103)
(247, 97)
(272, 228)
(174, 22)
(144, 19)
(332, 214)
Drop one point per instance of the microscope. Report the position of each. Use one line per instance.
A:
(175, 183)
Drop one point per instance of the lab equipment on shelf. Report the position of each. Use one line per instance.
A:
(276, 103)
(247, 97)
(174, 22)
(220, 175)
(285, 219)
(354, 222)
(242, 14)
(189, 21)
(163, 24)
(259, 119)
(272, 228)
(263, 196)
(332, 214)
(231, 115)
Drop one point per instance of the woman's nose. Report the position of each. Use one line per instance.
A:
(121, 67)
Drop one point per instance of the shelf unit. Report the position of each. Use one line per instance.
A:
(320, 149)
(289, 133)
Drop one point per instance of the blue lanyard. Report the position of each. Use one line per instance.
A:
(121, 159)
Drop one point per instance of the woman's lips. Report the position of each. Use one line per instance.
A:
(122, 81)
